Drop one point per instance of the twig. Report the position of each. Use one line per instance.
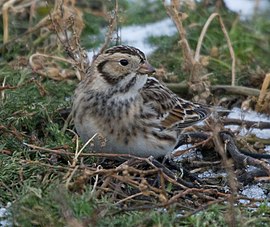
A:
(96, 182)
(174, 198)
(238, 90)
(263, 92)
(67, 122)
(32, 64)
(105, 183)
(199, 144)
(240, 158)
(111, 29)
(5, 8)
(221, 149)
(59, 152)
(177, 18)
(69, 175)
(180, 88)
(253, 139)
(129, 197)
(246, 123)
(90, 154)
(78, 153)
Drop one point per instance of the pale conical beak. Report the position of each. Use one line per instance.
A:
(146, 68)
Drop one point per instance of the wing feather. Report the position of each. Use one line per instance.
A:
(172, 110)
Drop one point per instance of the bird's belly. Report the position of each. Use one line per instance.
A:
(120, 139)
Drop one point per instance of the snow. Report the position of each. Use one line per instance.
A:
(237, 113)
(137, 35)
(247, 8)
(254, 192)
(4, 213)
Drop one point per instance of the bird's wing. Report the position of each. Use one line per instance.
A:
(171, 110)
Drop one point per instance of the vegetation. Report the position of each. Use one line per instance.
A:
(40, 175)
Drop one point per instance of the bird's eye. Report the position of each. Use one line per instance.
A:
(124, 62)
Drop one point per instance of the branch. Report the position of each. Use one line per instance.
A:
(181, 88)
(177, 18)
(247, 124)
(263, 92)
(112, 26)
(241, 158)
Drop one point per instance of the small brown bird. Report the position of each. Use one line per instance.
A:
(134, 112)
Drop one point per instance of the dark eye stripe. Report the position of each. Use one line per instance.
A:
(106, 76)
(101, 65)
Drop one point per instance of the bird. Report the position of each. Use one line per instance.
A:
(132, 112)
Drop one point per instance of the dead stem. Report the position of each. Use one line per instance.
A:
(129, 197)
(180, 88)
(221, 149)
(78, 153)
(96, 182)
(5, 9)
(263, 92)
(177, 17)
(199, 144)
(65, 20)
(202, 35)
(2, 92)
(111, 28)
(69, 175)
(246, 123)
(32, 64)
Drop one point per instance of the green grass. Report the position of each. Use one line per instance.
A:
(55, 206)
(29, 117)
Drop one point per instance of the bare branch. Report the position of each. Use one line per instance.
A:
(111, 28)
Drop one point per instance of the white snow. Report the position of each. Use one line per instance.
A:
(237, 113)
(247, 8)
(4, 213)
(253, 192)
(136, 35)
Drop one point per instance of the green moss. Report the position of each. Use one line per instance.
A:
(28, 116)
(57, 205)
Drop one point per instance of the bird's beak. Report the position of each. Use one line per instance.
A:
(146, 68)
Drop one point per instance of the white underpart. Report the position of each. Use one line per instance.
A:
(133, 91)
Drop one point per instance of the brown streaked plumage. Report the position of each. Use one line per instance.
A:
(134, 112)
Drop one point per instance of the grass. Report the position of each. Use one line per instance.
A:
(34, 113)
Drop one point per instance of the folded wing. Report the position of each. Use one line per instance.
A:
(172, 110)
